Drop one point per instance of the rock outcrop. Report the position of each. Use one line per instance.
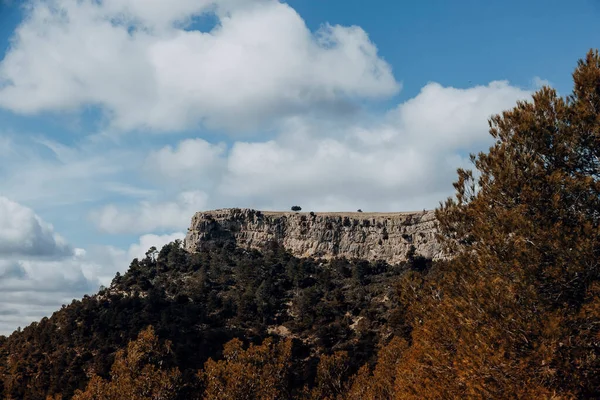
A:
(370, 236)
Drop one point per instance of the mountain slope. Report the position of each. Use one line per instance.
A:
(199, 302)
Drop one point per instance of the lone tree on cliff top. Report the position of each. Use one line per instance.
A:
(296, 208)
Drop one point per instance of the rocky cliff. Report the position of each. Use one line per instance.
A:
(370, 236)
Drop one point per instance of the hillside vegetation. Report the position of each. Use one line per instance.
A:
(514, 314)
(201, 301)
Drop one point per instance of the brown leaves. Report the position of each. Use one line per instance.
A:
(529, 239)
(332, 374)
(381, 383)
(259, 372)
(136, 374)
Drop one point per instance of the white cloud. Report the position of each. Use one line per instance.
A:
(259, 64)
(79, 181)
(6, 146)
(45, 276)
(538, 82)
(38, 268)
(23, 233)
(406, 162)
(192, 161)
(21, 308)
(155, 13)
(158, 14)
(452, 118)
(149, 216)
(32, 289)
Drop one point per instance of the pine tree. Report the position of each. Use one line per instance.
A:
(136, 374)
(258, 372)
(515, 312)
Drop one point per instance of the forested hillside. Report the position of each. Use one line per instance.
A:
(515, 313)
(199, 302)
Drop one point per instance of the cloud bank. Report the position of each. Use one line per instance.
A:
(23, 233)
(132, 59)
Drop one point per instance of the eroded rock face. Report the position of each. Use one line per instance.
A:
(369, 236)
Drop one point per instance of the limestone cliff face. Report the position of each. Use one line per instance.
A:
(370, 236)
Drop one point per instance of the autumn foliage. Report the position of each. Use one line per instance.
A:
(259, 372)
(136, 374)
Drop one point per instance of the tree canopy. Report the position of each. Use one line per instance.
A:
(515, 312)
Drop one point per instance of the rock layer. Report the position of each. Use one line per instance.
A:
(369, 236)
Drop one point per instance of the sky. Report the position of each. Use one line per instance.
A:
(119, 119)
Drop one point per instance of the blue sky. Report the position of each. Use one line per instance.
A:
(119, 119)
(457, 42)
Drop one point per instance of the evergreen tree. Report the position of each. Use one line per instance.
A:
(136, 374)
(515, 312)
(259, 372)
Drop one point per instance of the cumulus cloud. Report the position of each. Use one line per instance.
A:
(155, 13)
(38, 268)
(260, 63)
(138, 250)
(31, 289)
(45, 276)
(21, 308)
(405, 161)
(448, 118)
(150, 216)
(192, 162)
(23, 233)
(538, 82)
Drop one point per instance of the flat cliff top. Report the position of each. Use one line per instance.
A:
(354, 214)
(343, 214)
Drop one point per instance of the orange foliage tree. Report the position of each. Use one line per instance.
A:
(332, 376)
(379, 384)
(136, 374)
(515, 312)
(259, 372)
